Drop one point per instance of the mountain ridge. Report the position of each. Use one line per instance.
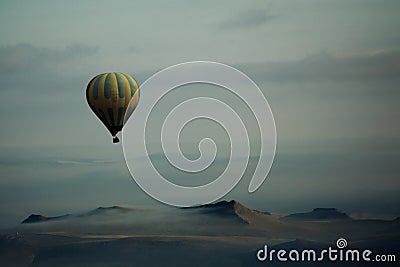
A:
(319, 214)
(38, 218)
(231, 208)
(222, 209)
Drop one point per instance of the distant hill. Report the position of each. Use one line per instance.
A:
(35, 218)
(318, 214)
(220, 212)
(106, 210)
(231, 209)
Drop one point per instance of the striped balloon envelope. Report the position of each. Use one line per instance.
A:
(108, 95)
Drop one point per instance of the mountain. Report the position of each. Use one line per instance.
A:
(35, 218)
(318, 214)
(106, 210)
(221, 207)
(231, 209)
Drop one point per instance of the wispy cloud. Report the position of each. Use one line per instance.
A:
(247, 19)
(84, 162)
(372, 65)
(25, 57)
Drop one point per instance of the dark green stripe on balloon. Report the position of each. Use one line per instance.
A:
(121, 89)
(120, 111)
(107, 86)
(111, 115)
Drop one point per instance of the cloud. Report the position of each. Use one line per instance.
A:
(85, 162)
(25, 57)
(373, 65)
(247, 19)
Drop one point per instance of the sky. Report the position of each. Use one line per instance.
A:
(329, 69)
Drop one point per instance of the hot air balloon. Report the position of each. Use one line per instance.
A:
(108, 95)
